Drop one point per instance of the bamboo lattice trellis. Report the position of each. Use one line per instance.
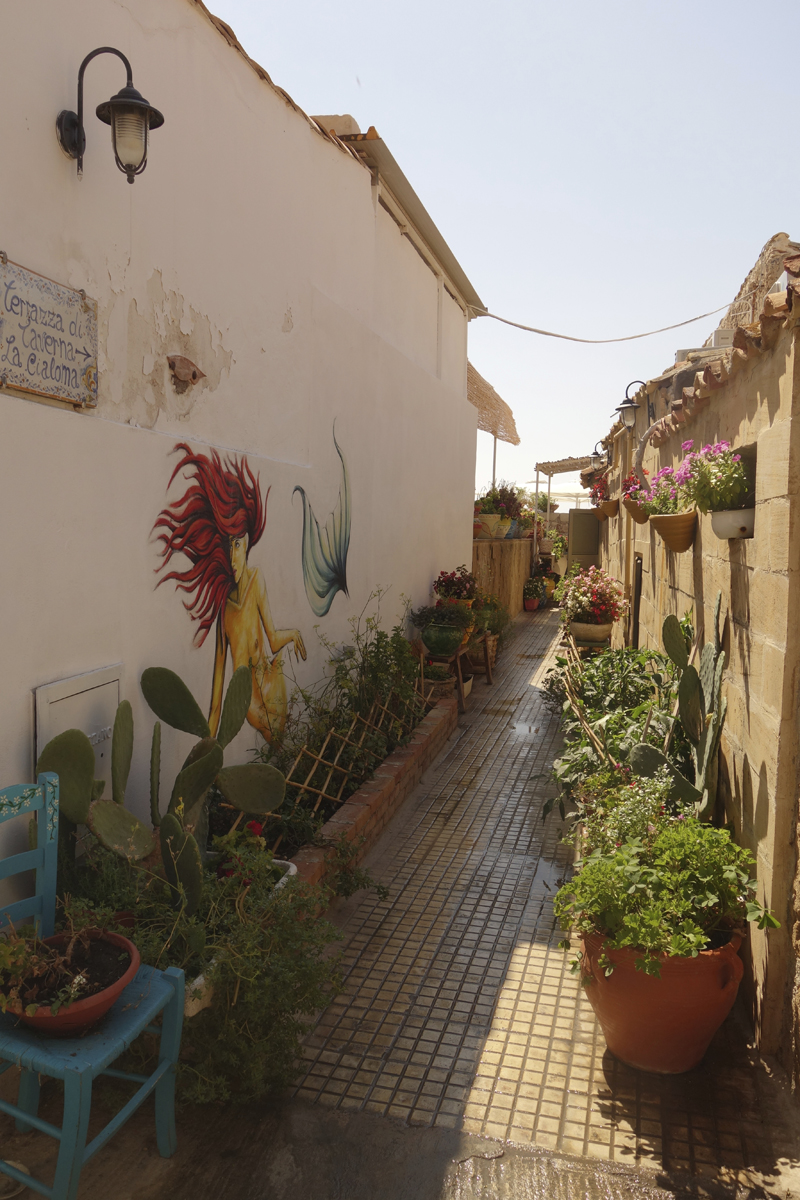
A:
(324, 774)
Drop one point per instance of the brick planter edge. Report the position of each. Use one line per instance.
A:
(369, 809)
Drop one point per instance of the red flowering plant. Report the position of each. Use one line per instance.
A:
(599, 491)
(460, 584)
(632, 488)
(592, 597)
(231, 845)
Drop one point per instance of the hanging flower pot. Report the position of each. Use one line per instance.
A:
(676, 529)
(662, 1024)
(601, 516)
(636, 511)
(610, 507)
(734, 523)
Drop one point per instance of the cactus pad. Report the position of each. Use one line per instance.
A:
(252, 787)
(71, 756)
(155, 774)
(98, 787)
(119, 830)
(182, 865)
(237, 702)
(197, 776)
(171, 701)
(121, 751)
(645, 760)
(690, 704)
(674, 641)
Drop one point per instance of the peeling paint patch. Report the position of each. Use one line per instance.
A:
(159, 325)
(288, 323)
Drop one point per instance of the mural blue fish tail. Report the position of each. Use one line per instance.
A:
(325, 549)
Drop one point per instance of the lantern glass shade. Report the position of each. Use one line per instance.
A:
(129, 129)
(627, 411)
(596, 460)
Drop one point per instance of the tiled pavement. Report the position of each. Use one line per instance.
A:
(458, 1008)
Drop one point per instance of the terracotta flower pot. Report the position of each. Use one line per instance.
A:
(590, 633)
(71, 1021)
(601, 516)
(531, 603)
(663, 1025)
(734, 523)
(636, 511)
(676, 529)
(610, 507)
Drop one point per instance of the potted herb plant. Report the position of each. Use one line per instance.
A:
(534, 591)
(660, 916)
(632, 498)
(591, 601)
(670, 508)
(64, 984)
(716, 482)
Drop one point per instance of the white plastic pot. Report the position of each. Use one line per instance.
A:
(734, 523)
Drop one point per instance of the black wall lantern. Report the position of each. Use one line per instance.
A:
(629, 408)
(128, 113)
(597, 458)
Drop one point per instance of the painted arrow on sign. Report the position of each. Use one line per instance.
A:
(86, 353)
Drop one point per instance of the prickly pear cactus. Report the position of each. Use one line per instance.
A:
(171, 700)
(237, 702)
(701, 710)
(71, 756)
(121, 751)
(155, 775)
(182, 863)
(119, 830)
(252, 787)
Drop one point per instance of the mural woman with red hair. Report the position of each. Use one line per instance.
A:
(215, 524)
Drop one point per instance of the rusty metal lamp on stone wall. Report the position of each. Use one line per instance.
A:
(130, 116)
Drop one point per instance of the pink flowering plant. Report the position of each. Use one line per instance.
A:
(667, 492)
(712, 478)
(592, 597)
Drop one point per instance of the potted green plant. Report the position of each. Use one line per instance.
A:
(557, 544)
(660, 918)
(715, 480)
(438, 681)
(671, 509)
(487, 511)
(534, 591)
(442, 627)
(64, 984)
(591, 601)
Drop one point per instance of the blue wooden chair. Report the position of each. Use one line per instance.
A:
(78, 1061)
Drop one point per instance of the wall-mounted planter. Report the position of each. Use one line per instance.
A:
(676, 529)
(610, 507)
(636, 511)
(734, 523)
(601, 516)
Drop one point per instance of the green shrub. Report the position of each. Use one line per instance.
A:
(673, 892)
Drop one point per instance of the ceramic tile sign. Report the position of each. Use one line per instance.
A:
(48, 337)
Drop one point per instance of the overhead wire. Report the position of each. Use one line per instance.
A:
(631, 337)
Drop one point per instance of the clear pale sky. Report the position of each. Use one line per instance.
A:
(598, 169)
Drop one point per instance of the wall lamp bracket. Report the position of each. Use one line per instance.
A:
(130, 116)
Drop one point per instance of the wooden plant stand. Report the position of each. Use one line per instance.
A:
(455, 659)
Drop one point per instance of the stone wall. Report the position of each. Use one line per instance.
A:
(759, 580)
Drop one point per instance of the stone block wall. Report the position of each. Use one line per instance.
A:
(760, 584)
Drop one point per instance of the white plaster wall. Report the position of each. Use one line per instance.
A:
(254, 247)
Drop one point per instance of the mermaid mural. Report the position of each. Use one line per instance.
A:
(215, 524)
